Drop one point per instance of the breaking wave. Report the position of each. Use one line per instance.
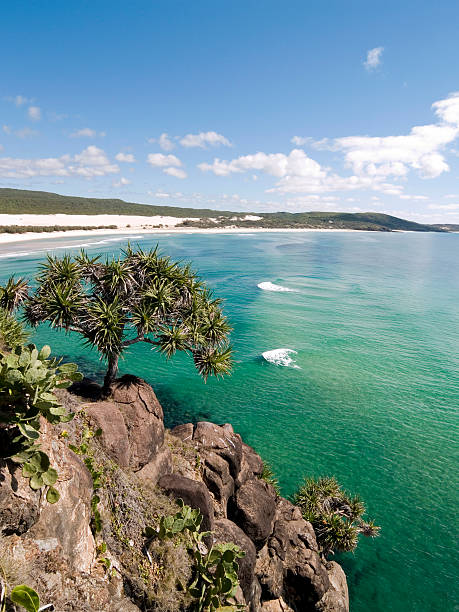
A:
(268, 286)
(281, 357)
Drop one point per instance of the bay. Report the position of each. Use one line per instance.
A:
(369, 392)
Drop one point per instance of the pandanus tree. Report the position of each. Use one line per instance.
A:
(336, 516)
(139, 296)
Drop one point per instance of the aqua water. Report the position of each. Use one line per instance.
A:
(366, 386)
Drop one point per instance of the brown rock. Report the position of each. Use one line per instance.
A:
(184, 432)
(251, 465)
(159, 466)
(253, 509)
(222, 440)
(336, 599)
(19, 504)
(218, 480)
(289, 566)
(131, 422)
(68, 520)
(107, 417)
(194, 493)
(275, 605)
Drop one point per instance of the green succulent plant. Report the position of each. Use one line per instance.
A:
(28, 378)
(215, 578)
(215, 570)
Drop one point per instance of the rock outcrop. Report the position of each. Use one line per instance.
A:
(208, 466)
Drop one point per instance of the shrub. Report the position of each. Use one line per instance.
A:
(335, 515)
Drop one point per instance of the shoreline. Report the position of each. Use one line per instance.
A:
(11, 238)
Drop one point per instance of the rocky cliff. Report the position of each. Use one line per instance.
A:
(88, 551)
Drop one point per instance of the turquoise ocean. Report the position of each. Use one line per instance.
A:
(370, 395)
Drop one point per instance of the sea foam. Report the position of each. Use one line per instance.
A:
(281, 357)
(268, 286)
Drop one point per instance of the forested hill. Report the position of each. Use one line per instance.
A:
(18, 201)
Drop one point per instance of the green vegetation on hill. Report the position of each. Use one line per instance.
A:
(39, 229)
(20, 201)
(17, 201)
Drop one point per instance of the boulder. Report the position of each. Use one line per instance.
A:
(275, 605)
(183, 432)
(253, 508)
(217, 477)
(107, 417)
(222, 440)
(194, 493)
(336, 599)
(131, 421)
(227, 531)
(67, 522)
(251, 465)
(143, 416)
(159, 466)
(289, 566)
(19, 504)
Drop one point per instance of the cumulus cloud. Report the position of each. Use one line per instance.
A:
(177, 172)
(91, 162)
(125, 157)
(203, 139)
(373, 59)
(159, 160)
(165, 142)
(122, 182)
(34, 113)
(420, 150)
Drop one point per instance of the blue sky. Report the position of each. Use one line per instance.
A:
(242, 105)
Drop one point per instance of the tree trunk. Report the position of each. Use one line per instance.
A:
(110, 376)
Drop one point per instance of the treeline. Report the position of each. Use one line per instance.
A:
(23, 229)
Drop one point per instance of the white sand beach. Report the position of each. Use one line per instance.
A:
(125, 225)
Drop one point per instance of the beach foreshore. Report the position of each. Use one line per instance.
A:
(7, 238)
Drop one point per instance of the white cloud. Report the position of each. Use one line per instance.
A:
(34, 113)
(162, 194)
(413, 197)
(125, 157)
(296, 173)
(420, 150)
(177, 172)
(165, 142)
(299, 141)
(122, 182)
(203, 139)
(159, 160)
(443, 206)
(6, 129)
(373, 160)
(91, 162)
(373, 58)
(86, 133)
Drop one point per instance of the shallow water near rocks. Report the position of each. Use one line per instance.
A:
(374, 321)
